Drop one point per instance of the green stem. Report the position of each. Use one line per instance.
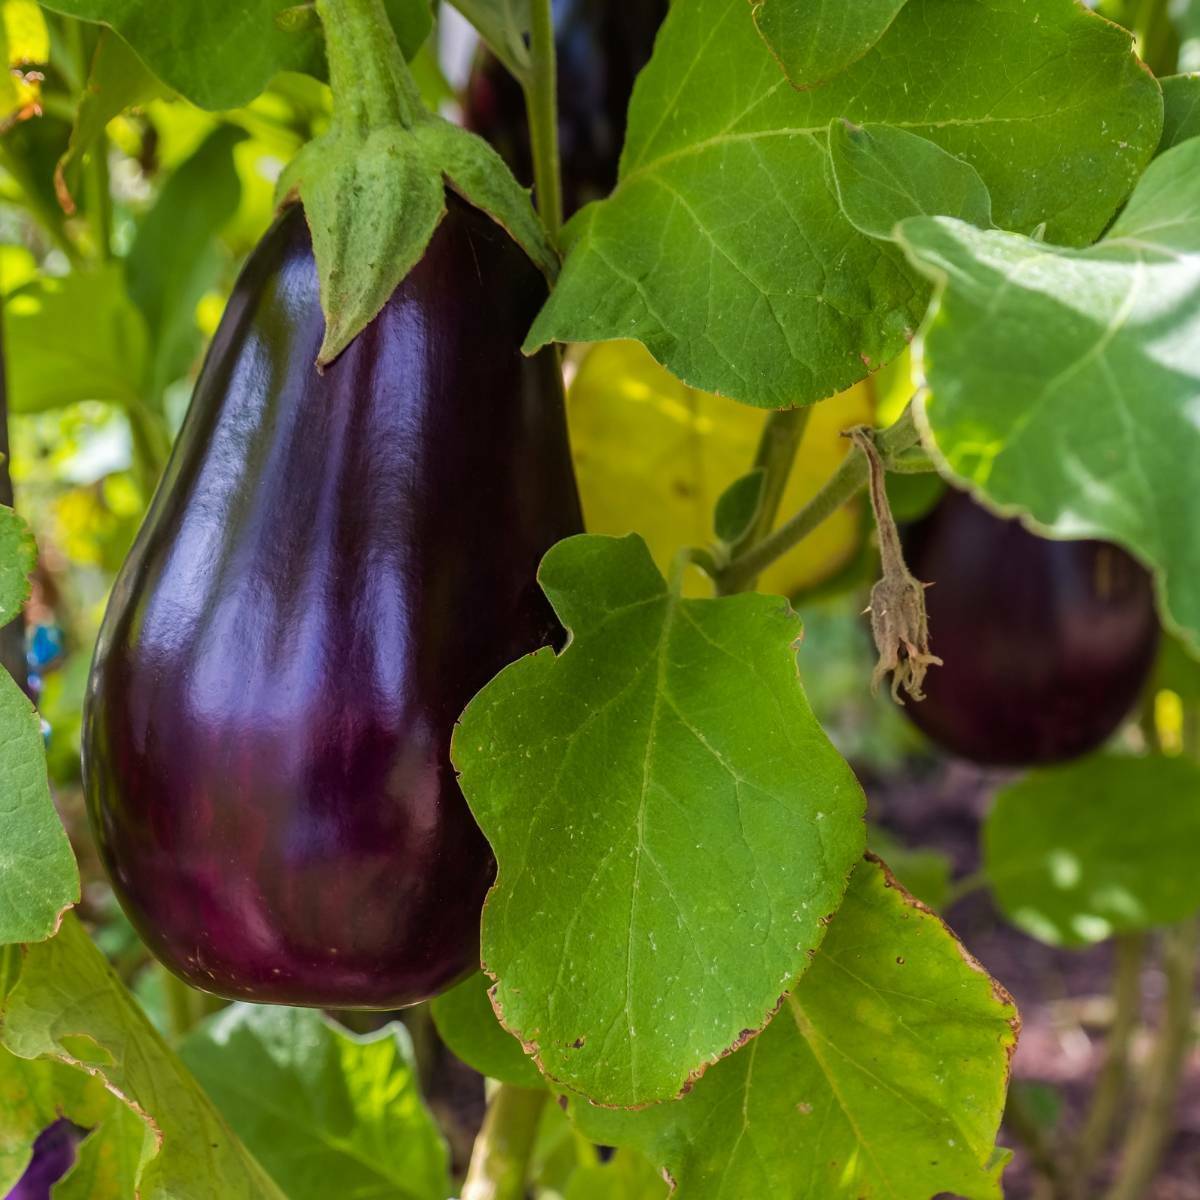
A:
(1153, 1120)
(845, 483)
(1114, 1074)
(500, 1161)
(965, 886)
(1022, 1123)
(151, 446)
(372, 85)
(97, 196)
(781, 437)
(541, 103)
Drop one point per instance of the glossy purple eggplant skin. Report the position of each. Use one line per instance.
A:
(1046, 644)
(53, 1157)
(602, 45)
(332, 566)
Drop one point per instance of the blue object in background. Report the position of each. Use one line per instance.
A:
(45, 646)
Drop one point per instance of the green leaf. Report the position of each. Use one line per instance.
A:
(1102, 846)
(176, 256)
(502, 24)
(39, 880)
(723, 248)
(467, 1024)
(18, 557)
(738, 507)
(225, 55)
(814, 42)
(34, 1095)
(74, 338)
(68, 1006)
(117, 80)
(692, 827)
(884, 175)
(1064, 383)
(1181, 110)
(882, 1077)
(326, 1112)
(107, 1161)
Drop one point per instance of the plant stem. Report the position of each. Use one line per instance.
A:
(1114, 1074)
(845, 483)
(372, 85)
(151, 446)
(500, 1161)
(541, 104)
(966, 885)
(781, 437)
(1153, 1122)
(97, 196)
(48, 216)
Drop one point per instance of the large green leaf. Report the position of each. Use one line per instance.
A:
(74, 338)
(1102, 846)
(176, 255)
(723, 248)
(35, 1094)
(672, 826)
(1065, 383)
(326, 1112)
(882, 1078)
(69, 1006)
(222, 53)
(467, 1024)
(815, 41)
(39, 880)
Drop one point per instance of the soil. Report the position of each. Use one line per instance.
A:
(1062, 995)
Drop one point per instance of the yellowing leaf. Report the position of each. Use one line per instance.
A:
(653, 456)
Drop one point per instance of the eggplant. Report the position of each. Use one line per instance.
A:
(1046, 645)
(332, 566)
(602, 45)
(53, 1157)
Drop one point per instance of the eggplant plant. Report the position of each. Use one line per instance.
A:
(361, 773)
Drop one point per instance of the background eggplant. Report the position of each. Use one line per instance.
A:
(602, 45)
(1046, 644)
(332, 566)
(53, 1157)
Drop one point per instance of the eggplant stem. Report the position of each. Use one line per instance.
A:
(541, 104)
(843, 485)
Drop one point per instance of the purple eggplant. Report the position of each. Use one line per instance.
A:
(602, 45)
(1046, 644)
(332, 566)
(53, 1157)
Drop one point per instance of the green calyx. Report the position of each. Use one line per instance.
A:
(373, 187)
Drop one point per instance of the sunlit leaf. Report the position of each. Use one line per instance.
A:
(669, 880)
(68, 1006)
(1065, 383)
(723, 248)
(326, 1112)
(881, 1078)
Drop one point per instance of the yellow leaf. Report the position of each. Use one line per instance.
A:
(653, 456)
